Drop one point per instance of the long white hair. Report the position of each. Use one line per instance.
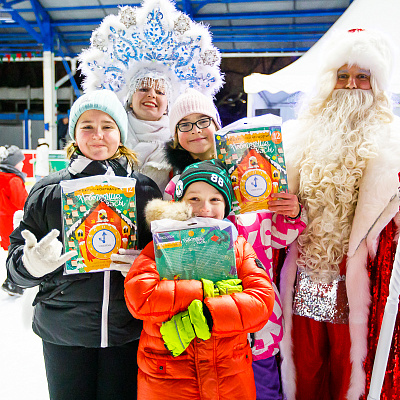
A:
(341, 134)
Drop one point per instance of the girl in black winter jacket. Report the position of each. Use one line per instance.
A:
(89, 337)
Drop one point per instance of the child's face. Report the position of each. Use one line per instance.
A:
(149, 104)
(206, 201)
(97, 135)
(198, 142)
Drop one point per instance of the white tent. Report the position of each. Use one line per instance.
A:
(281, 89)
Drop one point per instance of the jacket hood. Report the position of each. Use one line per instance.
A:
(179, 158)
(9, 169)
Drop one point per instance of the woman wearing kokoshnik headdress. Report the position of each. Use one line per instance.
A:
(148, 56)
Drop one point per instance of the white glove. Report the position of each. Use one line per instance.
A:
(123, 260)
(17, 218)
(44, 257)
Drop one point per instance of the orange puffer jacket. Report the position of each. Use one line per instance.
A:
(218, 368)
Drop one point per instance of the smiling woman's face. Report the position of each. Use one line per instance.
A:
(148, 103)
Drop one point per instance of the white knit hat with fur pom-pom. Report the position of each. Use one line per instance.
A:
(368, 49)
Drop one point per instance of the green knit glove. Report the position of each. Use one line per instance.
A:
(209, 290)
(177, 333)
(198, 320)
(226, 286)
(229, 286)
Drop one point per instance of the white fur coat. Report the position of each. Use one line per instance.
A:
(377, 204)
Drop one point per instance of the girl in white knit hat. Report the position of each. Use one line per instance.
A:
(193, 121)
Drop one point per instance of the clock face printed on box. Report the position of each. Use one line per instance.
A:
(255, 184)
(103, 240)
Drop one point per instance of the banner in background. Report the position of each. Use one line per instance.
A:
(57, 161)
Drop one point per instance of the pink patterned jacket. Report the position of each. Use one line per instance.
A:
(265, 231)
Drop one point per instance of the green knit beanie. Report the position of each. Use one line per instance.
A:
(214, 173)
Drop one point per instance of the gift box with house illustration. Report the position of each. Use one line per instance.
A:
(252, 150)
(194, 249)
(99, 217)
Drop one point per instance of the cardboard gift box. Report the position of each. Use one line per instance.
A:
(194, 249)
(252, 150)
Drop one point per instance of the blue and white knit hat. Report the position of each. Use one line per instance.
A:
(103, 100)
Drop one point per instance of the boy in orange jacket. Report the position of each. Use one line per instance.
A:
(194, 339)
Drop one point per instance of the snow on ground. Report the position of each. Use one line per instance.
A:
(22, 372)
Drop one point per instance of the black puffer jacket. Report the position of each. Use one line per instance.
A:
(71, 310)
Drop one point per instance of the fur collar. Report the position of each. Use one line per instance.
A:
(159, 209)
(377, 201)
(179, 158)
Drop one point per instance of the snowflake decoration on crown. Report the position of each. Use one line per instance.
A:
(128, 16)
(155, 37)
(182, 24)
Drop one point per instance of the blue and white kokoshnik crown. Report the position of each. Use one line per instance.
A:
(152, 42)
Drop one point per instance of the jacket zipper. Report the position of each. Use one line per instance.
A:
(104, 310)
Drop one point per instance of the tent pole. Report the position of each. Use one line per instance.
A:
(250, 101)
(49, 99)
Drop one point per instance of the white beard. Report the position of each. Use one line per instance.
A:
(341, 140)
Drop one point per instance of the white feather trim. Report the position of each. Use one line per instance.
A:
(373, 236)
(358, 294)
(293, 140)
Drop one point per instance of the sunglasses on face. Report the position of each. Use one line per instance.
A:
(201, 124)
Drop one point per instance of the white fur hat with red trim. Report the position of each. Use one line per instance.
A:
(368, 49)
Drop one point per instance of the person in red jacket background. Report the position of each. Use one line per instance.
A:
(204, 326)
(12, 198)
